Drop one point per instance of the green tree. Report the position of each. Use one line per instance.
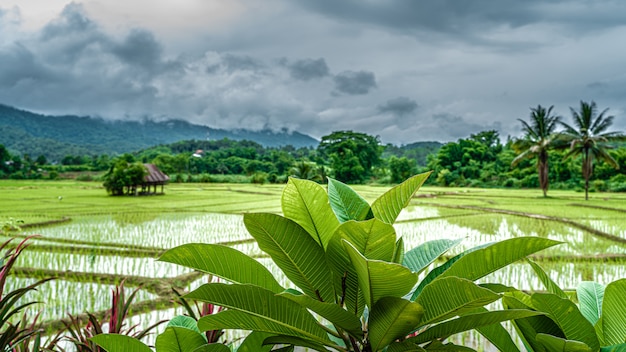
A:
(352, 155)
(124, 175)
(401, 168)
(468, 159)
(588, 138)
(539, 138)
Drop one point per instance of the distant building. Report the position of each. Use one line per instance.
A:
(155, 177)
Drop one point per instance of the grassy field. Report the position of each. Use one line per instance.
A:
(90, 241)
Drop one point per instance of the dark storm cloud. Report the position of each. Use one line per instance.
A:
(435, 15)
(72, 21)
(355, 82)
(456, 126)
(140, 48)
(472, 20)
(18, 63)
(72, 65)
(231, 63)
(234, 63)
(308, 69)
(398, 106)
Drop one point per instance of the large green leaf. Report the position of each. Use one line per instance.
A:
(447, 297)
(433, 274)
(379, 279)
(614, 313)
(331, 312)
(557, 344)
(306, 203)
(179, 339)
(184, 321)
(468, 322)
(404, 346)
(119, 343)
(418, 258)
(389, 205)
(528, 328)
(590, 295)
(254, 308)
(614, 348)
(372, 238)
(294, 341)
(346, 203)
(550, 285)
(224, 262)
(254, 342)
(398, 253)
(301, 259)
(392, 318)
(567, 316)
(481, 262)
(212, 347)
(498, 336)
(438, 346)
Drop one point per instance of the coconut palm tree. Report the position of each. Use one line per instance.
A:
(589, 138)
(539, 138)
(306, 171)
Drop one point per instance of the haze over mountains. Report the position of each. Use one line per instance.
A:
(24, 132)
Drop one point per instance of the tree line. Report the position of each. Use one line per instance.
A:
(584, 155)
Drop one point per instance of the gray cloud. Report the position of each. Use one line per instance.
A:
(234, 63)
(474, 64)
(474, 21)
(355, 82)
(308, 69)
(399, 106)
(140, 49)
(456, 127)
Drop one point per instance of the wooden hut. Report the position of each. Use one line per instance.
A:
(155, 177)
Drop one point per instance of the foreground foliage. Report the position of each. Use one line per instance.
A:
(21, 334)
(356, 289)
(597, 323)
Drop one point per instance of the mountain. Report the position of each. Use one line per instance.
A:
(24, 132)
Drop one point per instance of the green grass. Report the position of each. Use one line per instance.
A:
(102, 239)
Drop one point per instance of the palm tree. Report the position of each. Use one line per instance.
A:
(589, 138)
(306, 171)
(539, 138)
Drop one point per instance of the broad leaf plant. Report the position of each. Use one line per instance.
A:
(355, 287)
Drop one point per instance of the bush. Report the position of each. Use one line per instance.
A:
(598, 186)
(84, 177)
(259, 178)
(351, 271)
(512, 182)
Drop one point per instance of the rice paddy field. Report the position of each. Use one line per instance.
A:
(90, 241)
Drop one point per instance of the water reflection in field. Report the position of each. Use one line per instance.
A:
(416, 225)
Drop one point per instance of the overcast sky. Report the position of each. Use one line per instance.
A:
(405, 70)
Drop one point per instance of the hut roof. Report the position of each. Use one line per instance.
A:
(155, 175)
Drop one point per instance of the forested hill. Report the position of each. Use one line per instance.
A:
(24, 132)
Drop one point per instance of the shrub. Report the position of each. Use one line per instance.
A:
(596, 323)
(351, 270)
(259, 178)
(15, 334)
